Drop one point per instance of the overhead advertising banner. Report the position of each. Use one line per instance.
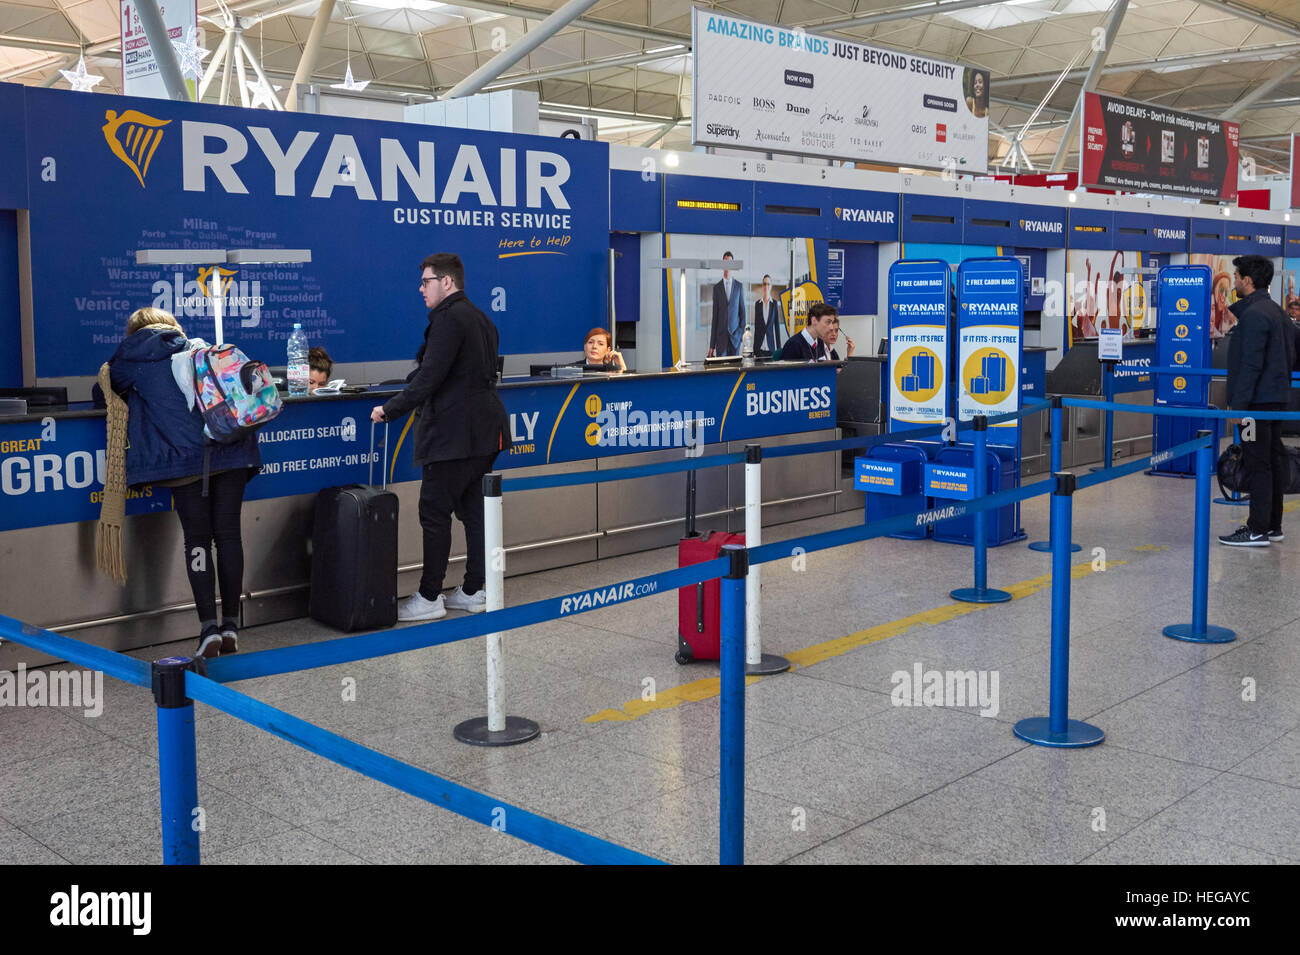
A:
(110, 175)
(918, 343)
(1183, 334)
(990, 325)
(1140, 147)
(52, 471)
(764, 87)
(140, 73)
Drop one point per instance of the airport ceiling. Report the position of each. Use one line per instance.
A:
(627, 62)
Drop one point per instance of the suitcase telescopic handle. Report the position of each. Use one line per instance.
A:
(383, 471)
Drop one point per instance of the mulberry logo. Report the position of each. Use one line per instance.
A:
(134, 138)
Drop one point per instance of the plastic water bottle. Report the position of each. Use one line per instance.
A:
(747, 346)
(298, 371)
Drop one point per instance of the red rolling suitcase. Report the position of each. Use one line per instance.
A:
(699, 608)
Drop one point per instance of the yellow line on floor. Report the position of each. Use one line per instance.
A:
(708, 688)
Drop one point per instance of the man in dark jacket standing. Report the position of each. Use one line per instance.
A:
(1261, 353)
(462, 426)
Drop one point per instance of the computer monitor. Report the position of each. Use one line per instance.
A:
(883, 347)
(539, 371)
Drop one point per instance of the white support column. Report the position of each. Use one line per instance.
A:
(1089, 83)
(756, 661)
(495, 553)
(240, 76)
(218, 59)
(310, 53)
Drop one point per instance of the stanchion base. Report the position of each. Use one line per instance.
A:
(769, 663)
(1212, 634)
(475, 732)
(973, 595)
(1078, 734)
(1239, 502)
(1045, 547)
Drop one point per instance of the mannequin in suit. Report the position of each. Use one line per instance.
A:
(728, 314)
(769, 317)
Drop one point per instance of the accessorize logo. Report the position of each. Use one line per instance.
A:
(797, 78)
(764, 105)
(721, 129)
(764, 137)
(801, 110)
(133, 137)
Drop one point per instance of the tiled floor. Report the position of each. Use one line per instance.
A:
(1201, 761)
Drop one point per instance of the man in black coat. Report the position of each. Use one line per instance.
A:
(462, 426)
(1261, 353)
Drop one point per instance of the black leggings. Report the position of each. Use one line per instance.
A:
(208, 519)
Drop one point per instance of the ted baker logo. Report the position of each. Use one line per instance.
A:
(940, 132)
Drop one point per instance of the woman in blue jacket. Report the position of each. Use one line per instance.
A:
(161, 442)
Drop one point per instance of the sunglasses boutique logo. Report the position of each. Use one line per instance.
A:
(133, 137)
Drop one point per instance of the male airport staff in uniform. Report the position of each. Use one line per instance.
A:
(728, 315)
(462, 426)
(809, 344)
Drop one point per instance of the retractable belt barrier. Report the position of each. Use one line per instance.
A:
(1230, 414)
(175, 688)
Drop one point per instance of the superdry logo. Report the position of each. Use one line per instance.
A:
(719, 129)
(134, 138)
(1035, 225)
(881, 216)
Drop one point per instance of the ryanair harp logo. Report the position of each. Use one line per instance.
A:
(134, 137)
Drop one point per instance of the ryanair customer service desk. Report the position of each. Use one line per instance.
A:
(52, 468)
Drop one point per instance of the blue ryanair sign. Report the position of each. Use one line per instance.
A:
(1183, 333)
(109, 175)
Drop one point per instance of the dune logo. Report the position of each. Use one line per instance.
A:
(133, 137)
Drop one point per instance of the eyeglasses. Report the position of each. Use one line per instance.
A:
(433, 278)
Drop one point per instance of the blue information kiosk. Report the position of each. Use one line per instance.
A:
(1182, 341)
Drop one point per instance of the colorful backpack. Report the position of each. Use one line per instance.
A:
(235, 395)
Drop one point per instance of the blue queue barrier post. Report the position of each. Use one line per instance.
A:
(980, 593)
(731, 801)
(1056, 415)
(1235, 498)
(1056, 729)
(1200, 630)
(178, 772)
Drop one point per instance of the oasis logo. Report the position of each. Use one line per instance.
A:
(801, 110)
(766, 105)
(882, 216)
(718, 129)
(1035, 225)
(217, 149)
(134, 137)
(1179, 235)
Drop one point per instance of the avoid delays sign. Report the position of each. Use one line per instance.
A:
(1141, 147)
(989, 322)
(109, 175)
(764, 87)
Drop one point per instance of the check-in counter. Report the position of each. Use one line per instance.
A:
(1079, 375)
(52, 466)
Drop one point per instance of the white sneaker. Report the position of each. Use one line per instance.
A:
(472, 603)
(416, 607)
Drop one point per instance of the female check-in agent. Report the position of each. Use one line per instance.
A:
(598, 349)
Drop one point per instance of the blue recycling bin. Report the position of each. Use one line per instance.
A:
(1002, 526)
(890, 476)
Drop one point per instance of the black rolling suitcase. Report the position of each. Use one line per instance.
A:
(354, 554)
